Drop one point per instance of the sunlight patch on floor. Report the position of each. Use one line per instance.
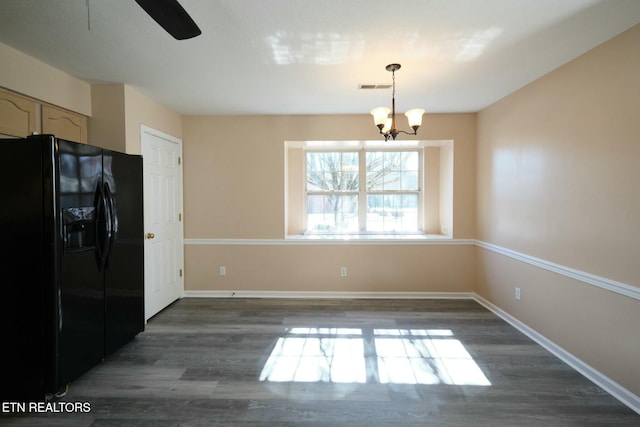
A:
(352, 355)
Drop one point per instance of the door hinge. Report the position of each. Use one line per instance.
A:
(180, 272)
(179, 217)
(178, 160)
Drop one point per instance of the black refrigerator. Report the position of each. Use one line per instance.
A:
(72, 293)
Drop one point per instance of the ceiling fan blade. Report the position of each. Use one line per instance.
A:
(172, 17)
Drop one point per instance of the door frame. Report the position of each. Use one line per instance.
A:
(180, 200)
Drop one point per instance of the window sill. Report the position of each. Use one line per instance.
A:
(341, 240)
(369, 237)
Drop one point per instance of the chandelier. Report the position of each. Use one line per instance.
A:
(386, 124)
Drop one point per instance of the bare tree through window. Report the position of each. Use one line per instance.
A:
(339, 190)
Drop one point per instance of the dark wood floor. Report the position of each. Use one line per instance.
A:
(286, 362)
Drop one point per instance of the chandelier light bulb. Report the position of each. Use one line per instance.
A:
(380, 115)
(414, 117)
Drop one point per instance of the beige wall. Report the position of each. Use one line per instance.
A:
(558, 180)
(294, 191)
(28, 76)
(432, 179)
(120, 110)
(448, 172)
(309, 267)
(107, 126)
(142, 110)
(234, 174)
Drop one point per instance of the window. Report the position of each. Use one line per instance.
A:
(363, 191)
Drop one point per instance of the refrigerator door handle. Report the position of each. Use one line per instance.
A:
(103, 228)
(111, 208)
(99, 206)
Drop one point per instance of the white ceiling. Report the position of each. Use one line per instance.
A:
(309, 57)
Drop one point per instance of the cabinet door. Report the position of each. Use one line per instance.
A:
(17, 115)
(64, 124)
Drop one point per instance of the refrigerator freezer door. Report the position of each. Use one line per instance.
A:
(80, 322)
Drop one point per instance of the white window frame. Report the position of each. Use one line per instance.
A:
(362, 192)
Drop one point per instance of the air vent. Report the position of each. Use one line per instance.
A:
(367, 87)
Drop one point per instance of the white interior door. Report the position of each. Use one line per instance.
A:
(163, 248)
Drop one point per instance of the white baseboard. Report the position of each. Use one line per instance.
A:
(613, 388)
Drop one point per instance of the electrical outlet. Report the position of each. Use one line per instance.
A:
(343, 272)
(223, 270)
(518, 294)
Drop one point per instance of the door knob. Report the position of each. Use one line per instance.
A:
(150, 235)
